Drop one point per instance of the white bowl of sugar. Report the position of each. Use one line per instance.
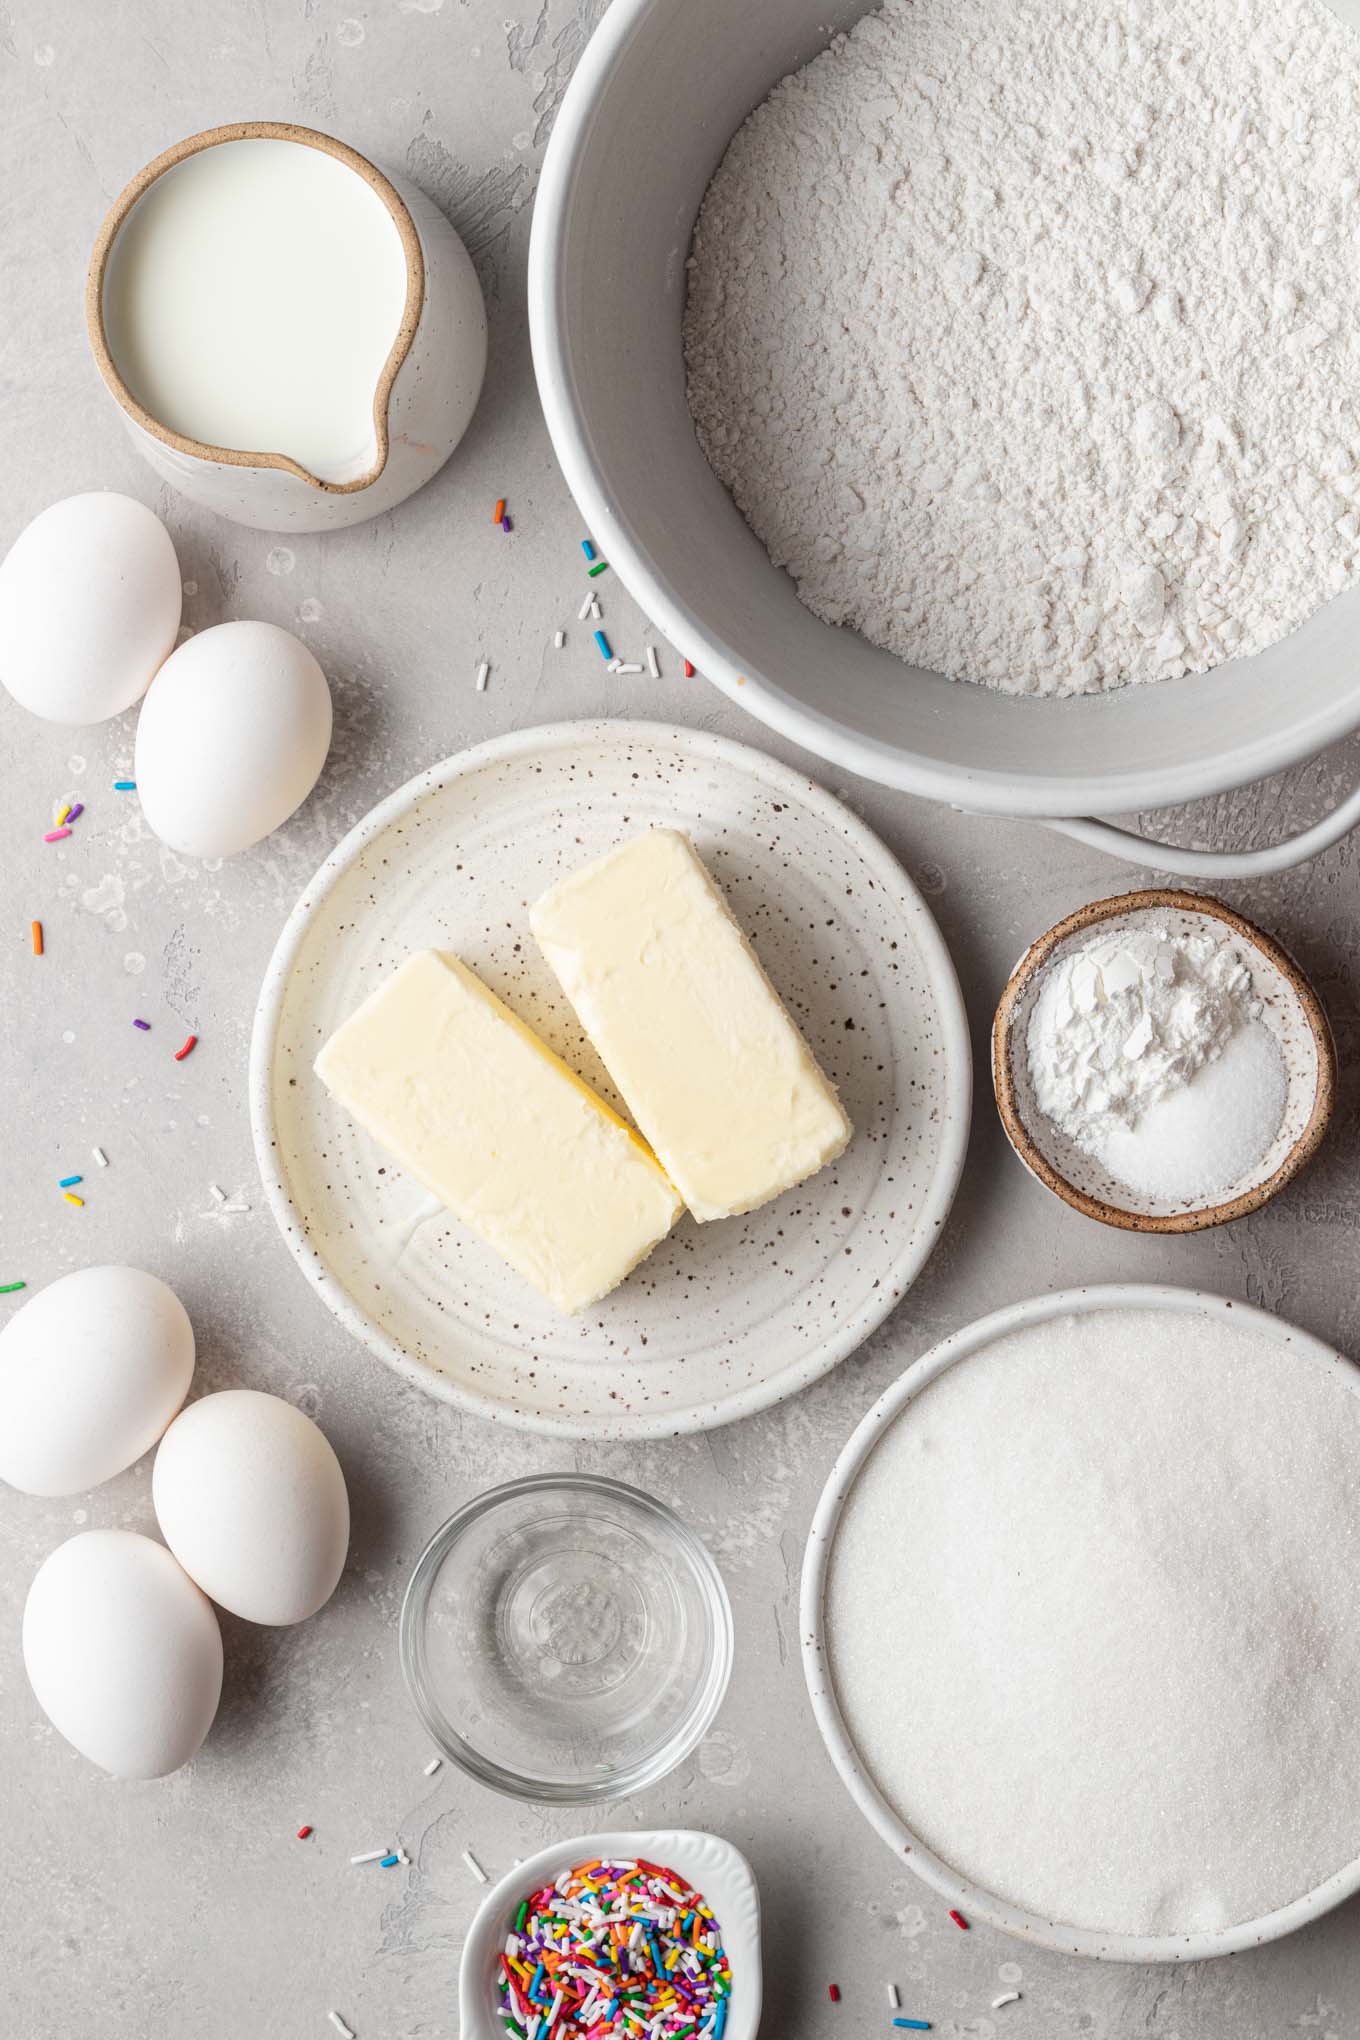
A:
(1161, 1064)
(1081, 1628)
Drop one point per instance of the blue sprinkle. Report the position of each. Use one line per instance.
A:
(67, 1181)
(125, 786)
(388, 1861)
(914, 2025)
(587, 548)
(603, 642)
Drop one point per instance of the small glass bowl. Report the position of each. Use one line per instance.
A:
(566, 1638)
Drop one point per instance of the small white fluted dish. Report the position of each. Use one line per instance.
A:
(718, 1872)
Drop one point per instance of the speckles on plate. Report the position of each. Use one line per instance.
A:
(722, 1318)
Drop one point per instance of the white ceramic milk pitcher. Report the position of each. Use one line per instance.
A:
(295, 340)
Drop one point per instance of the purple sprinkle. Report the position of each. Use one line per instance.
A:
(506, 525)
(145, 1025)
(78, 809)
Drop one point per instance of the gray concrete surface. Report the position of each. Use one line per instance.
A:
(186, 1910)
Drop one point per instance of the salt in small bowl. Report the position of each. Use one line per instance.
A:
(1290, 1009)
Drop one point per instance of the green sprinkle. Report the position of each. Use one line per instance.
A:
(600, 567)
(8, 1288)
(521, 1916)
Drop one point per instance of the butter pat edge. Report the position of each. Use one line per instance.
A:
(623, 1020)
(430, 1098)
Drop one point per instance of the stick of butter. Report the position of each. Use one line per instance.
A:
(689, 1027)
(471, 1103)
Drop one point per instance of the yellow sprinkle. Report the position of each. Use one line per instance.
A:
(66, 809)
(71, 1197)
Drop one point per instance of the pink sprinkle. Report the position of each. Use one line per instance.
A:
(56, 835)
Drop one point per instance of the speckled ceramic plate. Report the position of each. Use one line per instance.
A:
(723, 1319)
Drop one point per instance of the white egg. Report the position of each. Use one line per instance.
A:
(92, 1369)
(231, 738)
(251, 1500)
(123, 1653)
(90, 601)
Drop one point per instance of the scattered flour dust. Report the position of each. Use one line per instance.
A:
(1027, 335)
(1094, 1619)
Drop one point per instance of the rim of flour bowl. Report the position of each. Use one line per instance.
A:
(906, 1845)
(1028, 1148)
(1069, 803)
(120, 212)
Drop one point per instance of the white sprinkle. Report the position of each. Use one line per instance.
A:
(100, 1157)
(402, 1856)
(585, 609)
(653, 663)
(1007, 1997)
(627, 667)
(218, 1196)
(433, 1766)
(559, 639)
(475, 1867)
(482, 672)
(595, 609)
(614, 665)
(371, 1856)
(893, 1998)
(345, 2032)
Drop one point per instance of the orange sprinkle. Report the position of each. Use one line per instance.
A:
(36, 929)
(499, 510)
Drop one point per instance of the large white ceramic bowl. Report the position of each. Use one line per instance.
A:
(1297, 1349)
(708, 1864)
(659, 92)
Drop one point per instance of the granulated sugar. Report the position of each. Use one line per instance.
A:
(1027, 335)
(1094, 1620)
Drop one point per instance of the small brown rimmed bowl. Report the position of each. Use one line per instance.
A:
(1290, 1008)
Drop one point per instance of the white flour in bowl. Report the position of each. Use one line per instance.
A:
(1093, 1618)
(1027, 336)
